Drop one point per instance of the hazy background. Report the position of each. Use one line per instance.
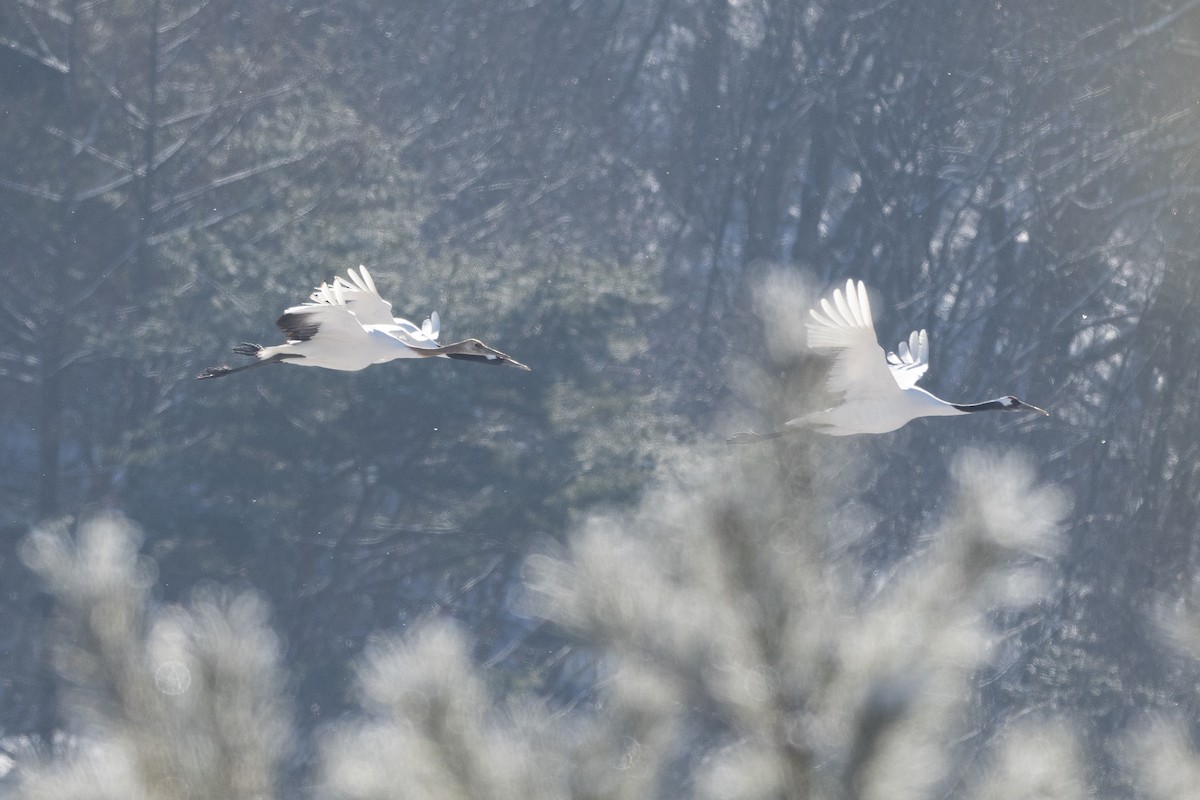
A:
(637, 200)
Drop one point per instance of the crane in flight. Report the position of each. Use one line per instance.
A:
(878, 393)
(347, 326)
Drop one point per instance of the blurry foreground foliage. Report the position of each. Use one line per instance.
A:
(176, 702)
(744, 652)
(732, 637)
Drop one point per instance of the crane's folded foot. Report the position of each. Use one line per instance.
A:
(214, 372)
(248, 349)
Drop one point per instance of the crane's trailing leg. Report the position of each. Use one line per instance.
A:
(245, 349)
(817, 421)
(750, 437)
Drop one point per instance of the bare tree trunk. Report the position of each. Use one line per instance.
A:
(149, 149)
(54, 321)
(49, 433)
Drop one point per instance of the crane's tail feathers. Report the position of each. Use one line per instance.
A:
(248, 349)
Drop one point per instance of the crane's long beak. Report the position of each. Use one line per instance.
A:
(512, 362)
(488, 356)
(505, 358)
(1035, 409)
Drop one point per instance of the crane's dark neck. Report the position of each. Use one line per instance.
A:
(990, 405)
(476, 357)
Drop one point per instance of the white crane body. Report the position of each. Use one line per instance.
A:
(878, 391)
(347, 326)
(867, 417)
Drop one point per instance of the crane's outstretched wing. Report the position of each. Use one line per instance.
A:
(912, 361)
(432, 326)
(847, 332)
(358, 295)
(410, 334)
(422, 338)
(331, 322)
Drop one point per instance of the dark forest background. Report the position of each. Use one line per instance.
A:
(634, 199)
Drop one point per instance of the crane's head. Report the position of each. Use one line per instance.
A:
(1011, 403)
(480, 353)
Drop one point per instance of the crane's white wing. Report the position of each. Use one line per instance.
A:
(912, 361)
(329, 322)
(847, 332)
(410, 334)
(358, 294)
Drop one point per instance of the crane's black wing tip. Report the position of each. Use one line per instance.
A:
(298, 326)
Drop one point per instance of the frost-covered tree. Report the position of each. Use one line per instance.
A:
(735, 639)
(741, 653)
(1162, 750)
(169, 703)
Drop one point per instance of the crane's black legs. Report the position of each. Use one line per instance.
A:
(245, 349)
(750, 437)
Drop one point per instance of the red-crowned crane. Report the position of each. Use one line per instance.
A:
(878, 393)
(346, 325)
